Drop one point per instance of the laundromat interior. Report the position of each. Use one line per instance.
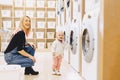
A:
(91, 32)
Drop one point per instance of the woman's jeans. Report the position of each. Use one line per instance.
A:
(13, 57)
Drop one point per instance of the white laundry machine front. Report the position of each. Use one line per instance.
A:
(90, 4)
(74, 45)
(75, 35)
(90, 44)
(66, 40)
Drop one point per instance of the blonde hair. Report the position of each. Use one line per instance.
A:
(59, 32)
(21, 25)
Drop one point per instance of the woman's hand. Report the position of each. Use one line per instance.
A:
(24, 53)
(32, 45)
(33, 58)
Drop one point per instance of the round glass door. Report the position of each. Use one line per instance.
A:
(87, 45)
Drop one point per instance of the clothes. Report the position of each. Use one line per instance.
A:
(16, 44)
(57, 62)
(58, 47)
(18, 40)
(13, 57)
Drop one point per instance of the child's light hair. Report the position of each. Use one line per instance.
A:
(59, 32)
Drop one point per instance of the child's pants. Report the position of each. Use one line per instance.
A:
(57, 62)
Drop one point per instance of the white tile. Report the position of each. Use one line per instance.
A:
(44, 66)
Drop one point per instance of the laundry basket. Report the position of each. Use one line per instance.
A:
(11, 72)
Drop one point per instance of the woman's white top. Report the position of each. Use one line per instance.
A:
(58, 47)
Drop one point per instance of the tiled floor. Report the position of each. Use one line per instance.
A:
(43, 65)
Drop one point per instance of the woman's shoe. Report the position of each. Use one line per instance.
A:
(29, 70)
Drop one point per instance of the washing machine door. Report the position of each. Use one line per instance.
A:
(64, 36)
(87, 43)
(73, 41)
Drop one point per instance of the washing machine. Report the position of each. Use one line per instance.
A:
(90, 44)
(66, 40)
(67, 23)
(74, 44)
(91, 4)
(74, 36)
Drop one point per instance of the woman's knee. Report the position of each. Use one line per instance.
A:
(30, 50)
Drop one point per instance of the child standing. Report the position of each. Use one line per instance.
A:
(57, 52)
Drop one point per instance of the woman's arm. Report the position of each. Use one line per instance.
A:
(24, 53)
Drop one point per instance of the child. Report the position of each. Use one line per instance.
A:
(57, 52)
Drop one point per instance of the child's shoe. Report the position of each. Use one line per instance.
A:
(58, 73)
(54, 72)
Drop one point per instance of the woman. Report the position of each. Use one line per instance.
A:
(18, 51)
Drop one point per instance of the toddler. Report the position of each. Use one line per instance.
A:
(57, 52)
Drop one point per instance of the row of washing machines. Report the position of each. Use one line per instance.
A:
(82, 37)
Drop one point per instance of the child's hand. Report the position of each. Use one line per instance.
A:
(53, 54)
